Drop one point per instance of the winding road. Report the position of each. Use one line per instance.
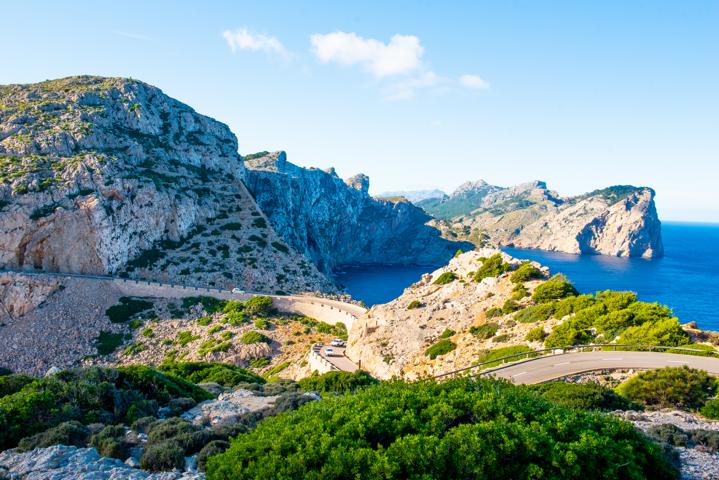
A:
(544, 369)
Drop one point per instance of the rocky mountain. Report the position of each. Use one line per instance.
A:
(619, 221)
(111, 176)
(414, 196)
(336, 222)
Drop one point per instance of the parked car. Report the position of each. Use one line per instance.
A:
(337, 342)
(237, 290)
(329, 352)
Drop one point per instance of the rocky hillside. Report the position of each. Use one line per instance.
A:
(619, 221)
(336, 222)
(109, 175)
(485, 304)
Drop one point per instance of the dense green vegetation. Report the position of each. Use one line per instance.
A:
(440, 348)
(681, 387)
(525, 272)
(254, 336)
(455, 429)
(584, 396)
(445, 278)
(337, 382)
(203, 372)
(537, 334)
(491, 267)
(127, 308)
(553, 289)
(502, 352)
(89, 395)
(484, 331)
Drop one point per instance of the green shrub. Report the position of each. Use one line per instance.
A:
(447, 333)
(519, 291)
(262, 324)
(663, 332)
(536, 334)
(711, 409)
(493, 312)
(445, 278)
(108, 342)
(204, 321)
(669, 434)
(704, 350)
(509, 307)
(276, 369)
(555, 288)
(501, 338)
(414, 304)
(681, 387)
(148, 332)
(485, 331)
(525, 272)
(709, 439)
(337, 382)
(259, 306)
(72, 433)
(110, 442)
(440, 348)
(254, 337)
(458, 429)
(491, 267)
(162, 457)
(215, 447)
(185, 337)
(501, 352)
(535, 313)
(584, 396)
(12, 383)
(126, 309)
(260, 362)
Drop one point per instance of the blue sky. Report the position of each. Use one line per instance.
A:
(421, 94)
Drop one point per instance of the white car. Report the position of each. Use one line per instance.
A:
(237, 290)
(337, 342)
(329, 352)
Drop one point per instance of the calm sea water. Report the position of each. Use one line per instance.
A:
(686, 278)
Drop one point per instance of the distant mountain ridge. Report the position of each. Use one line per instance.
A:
(414, 196)
(620, 220)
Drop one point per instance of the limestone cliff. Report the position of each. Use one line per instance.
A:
(618, 221)
(110, 175)
(336, 222)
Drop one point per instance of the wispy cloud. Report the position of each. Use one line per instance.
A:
(397, 64)
(134, 36)
(245, 39)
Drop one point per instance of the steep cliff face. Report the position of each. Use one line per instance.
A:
(336, 222)
(618, 221)
(109, 175)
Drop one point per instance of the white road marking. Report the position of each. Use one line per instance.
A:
(563, 363)
(519, 374)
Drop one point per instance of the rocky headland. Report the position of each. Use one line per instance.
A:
(618, 221)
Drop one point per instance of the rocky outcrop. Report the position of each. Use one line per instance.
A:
(390, 340)
(618, 221)
(334, 222)
(109, 175)
(73, 463)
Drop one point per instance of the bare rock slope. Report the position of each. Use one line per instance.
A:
(618, 221)
(110, 175)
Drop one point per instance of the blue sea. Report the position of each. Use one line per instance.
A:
(686, 278)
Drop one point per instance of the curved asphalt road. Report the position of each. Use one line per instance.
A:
(544, 369)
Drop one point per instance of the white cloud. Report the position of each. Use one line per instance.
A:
(473, 81)
(407, 88)
(402, 55)
(244, 39)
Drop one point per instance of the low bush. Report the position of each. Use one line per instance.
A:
(108, 342)
(414, 304)
(555, 288)
(110, 442)
(711, 409)
(337, 382)
(72, 433)
(509, 307)
(12, 383)
(215, 447)
(440, 348)
(535, 313)
(455, 429)
(519, 291)
(491, 267)
(253, 336)
(673, 387)
(448, 332)
(501, 352)
(162, 457)
(669, 434)
(205, 372)
(536, 334)
(525, 272)
(665, 332)
(485, 331)
(493, 312)
(262, 324)
(259, 306)
(501, 338)
(126, 309)
(445, 278)
(584, 396)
